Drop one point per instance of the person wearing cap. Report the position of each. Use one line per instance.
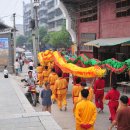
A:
(113, 96)
(85, 113)
(46, 97)
(122, 120)
(99, 86)
(89, 88)
(51, 79)
(60, 91)
(45, 74)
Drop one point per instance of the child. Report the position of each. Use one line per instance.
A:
(46, 97)
(5, 72)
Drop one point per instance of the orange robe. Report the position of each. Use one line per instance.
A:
(90, 96)
(60, 90)
(39, 70)
(51, 79)
(45, 75)
(75, 92)
(85, 113)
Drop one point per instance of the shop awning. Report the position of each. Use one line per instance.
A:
(109, 42)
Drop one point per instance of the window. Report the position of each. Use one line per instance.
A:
(59, 22)
(88, 11)
(122, 8)
(58, 12)
(86, 37)
(51, 25)
(51, 15)
(50, 4)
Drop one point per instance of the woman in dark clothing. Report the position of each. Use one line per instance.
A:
(46, 97)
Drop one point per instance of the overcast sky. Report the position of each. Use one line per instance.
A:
(8, 7)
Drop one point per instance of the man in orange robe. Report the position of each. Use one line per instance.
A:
(51, 79)
(85, 113)
(89, 88)
(76, 90)
(45, 74)
(60, 90)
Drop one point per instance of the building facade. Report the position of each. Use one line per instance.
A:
(98, 19)
(26, 19)
(54, 15)
(49, 15)
(20, 31)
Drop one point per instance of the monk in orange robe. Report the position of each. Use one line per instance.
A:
(45, 74)
(76, 90)
(85, 113)
(51, 79)
(60, 90)
(89, 88)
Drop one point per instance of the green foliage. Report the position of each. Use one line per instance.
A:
(60, 39)
(21, 40)
(30, 40)
(42, 33)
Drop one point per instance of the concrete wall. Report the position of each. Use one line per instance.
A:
(110, 25)
(11, 50)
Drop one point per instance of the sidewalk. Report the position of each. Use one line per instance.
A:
(16, 113)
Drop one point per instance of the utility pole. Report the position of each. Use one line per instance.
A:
(35, 30)
(33, 35)
(14, 36)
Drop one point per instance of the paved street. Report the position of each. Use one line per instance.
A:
(66, 119)
(16, 113)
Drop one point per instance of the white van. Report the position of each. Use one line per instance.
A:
(28, 55)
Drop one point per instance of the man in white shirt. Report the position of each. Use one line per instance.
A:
(17, 67)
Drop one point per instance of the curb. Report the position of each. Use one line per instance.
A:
(25, 103)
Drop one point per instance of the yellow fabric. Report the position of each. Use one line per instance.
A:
(61, 100)
(51, 79)
(85, 113)
(89, 72)
(39, 69)
(45, 74)
(75, 92)
(40, 78)
(90, 96)
(60, 90)
(61, 86)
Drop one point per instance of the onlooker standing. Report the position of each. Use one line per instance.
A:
(99, 86)
(85, 113)
(5, 72)
(46, 97)
(123, 115)
(17, 67)
(113, 96)
(21, 64)
(31, 64)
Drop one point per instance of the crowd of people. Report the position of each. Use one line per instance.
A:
(88, 99)
(55, 86)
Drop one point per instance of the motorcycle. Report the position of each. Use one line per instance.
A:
(32, 95)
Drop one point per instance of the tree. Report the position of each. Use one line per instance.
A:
(21, 40)
(60, 39)
(42, 33)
